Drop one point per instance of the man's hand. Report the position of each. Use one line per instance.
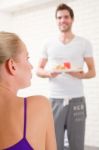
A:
(79, 75)
(54, 74)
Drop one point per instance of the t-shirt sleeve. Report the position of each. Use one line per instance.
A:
(88, 52)
(44, 51)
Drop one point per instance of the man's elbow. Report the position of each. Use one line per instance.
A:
(93, 74)
(38, 72)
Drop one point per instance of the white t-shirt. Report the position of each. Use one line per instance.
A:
(65, 85)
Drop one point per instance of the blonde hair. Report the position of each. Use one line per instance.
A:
(9, 46)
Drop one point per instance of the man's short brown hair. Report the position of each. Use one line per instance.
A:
(64, 7)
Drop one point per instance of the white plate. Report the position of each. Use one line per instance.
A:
(65, 70)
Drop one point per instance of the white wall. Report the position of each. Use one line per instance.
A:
(35, 26)
(5, 21)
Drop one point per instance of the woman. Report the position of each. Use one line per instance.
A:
(25, 123)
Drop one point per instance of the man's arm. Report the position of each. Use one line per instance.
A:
(91, 70)
(41, 72)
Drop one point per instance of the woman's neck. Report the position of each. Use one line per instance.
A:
(8, 88)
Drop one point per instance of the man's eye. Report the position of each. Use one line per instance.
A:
(66, 17)
(59, 18)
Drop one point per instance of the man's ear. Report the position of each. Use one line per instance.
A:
(11, 66)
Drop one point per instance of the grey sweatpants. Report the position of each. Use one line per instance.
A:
(70, 117)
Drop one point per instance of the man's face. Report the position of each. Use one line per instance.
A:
(64, 20)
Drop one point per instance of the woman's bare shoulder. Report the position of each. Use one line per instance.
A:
(39, 102)
(38, 99)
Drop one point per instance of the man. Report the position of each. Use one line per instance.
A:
(66, 89)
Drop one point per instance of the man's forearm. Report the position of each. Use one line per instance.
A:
(43, 73)
(89, 74)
